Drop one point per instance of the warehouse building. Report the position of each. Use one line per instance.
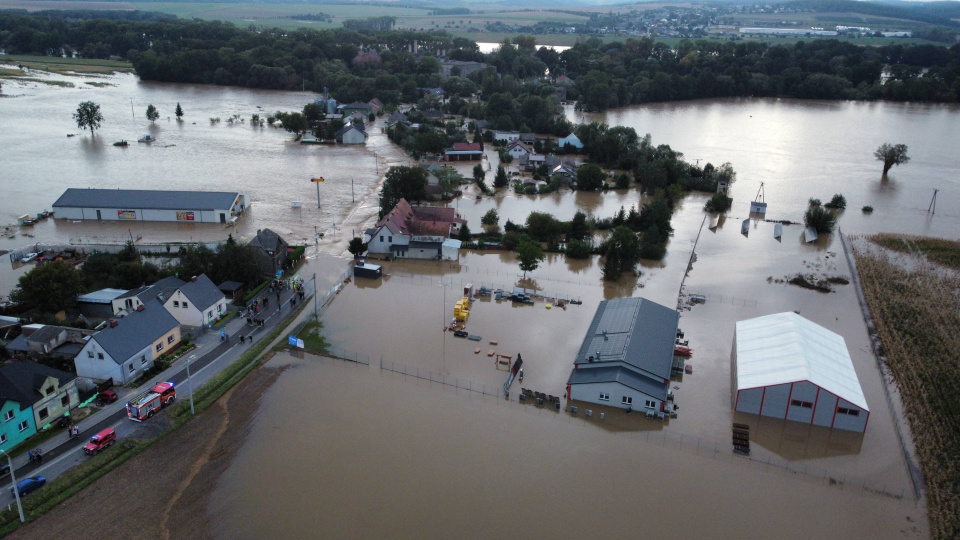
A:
(626, 357)
(788, 367)
(150, 205)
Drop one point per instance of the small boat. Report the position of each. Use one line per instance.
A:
(121, 143)
(146, 139)
(682, 351)
(460, 333)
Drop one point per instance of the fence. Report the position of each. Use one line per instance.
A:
(427, 375)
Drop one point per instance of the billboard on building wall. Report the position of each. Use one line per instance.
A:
(184, 216)
(126, 214)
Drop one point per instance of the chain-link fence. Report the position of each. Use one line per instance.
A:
(428, 375)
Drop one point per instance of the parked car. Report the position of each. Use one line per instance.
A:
(107, 396)
(28, 485)
(100, 441)
(4, 470)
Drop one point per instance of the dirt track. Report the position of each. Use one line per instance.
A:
(163, 492)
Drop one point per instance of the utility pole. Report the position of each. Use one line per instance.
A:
(190, 384)
(16, 492)
(932, 209)
(352, 198)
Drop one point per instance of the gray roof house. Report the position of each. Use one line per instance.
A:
(99, 304)
(627, 353)
(150, 205)
(128, 346)
(132, 299)
(273, 248)
(197, 302)
(50, 392)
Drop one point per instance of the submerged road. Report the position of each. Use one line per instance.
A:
(60, 453)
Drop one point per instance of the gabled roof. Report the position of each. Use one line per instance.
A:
(22, 381)
(466, 147)
(268, 241)
(421, 220)
(136, 331)
(146, 199)
(784, 347)
(623, 376)
(635, 331)
(355, 105)
(202, 292)
(150, 292)
(103, 296)
(46, 334)
(520, 144)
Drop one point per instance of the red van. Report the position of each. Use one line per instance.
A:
(100, 441)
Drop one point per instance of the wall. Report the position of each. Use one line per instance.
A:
(168, 342)
(775, 400)
(53, 402)
(112, 214)
(96, 368)
(377, 246)
(590, 393)
(9, 427)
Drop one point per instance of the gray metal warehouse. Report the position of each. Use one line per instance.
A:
(788, 367)
(150, 205)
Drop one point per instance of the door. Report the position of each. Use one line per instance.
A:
(98, 215)
(223, 217)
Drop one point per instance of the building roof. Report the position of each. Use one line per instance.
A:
(103, 296)
(355, 105)
(146, 199)
(46, 334)
(623, 376)
(230, 286)
(464, 149)
(635, 331)
(22, 381)
(268, 241)
(452, 243)
(784, 348)
(420, 220)
(160, 287)
(202, 292)
(521, 145)
(136, 331)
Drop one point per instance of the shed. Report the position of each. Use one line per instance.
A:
(788, 367)
(369, 271)
(450, 249)
(99, 304)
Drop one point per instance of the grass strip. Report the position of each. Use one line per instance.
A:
(938, 250)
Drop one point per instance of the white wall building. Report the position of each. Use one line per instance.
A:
(197, 302)
(150, 205)
(788, 367)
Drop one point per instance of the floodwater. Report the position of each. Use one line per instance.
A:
(377, 455)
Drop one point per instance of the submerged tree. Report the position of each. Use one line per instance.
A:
(88, 116)
(891, 155)
(529, 255)
(152, 113)
(179, 112)
(820, 219)
(357, 247)
(500, 180)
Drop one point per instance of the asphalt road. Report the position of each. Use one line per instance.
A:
(68, 454)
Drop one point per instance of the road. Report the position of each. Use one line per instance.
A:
(60, 453)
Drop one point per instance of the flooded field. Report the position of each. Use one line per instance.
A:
(379, 456)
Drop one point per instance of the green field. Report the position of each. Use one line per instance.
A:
(64, 66)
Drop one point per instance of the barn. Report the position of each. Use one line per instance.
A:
(150, 205)
(788, 367)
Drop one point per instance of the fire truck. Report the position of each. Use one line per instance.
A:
(144, 405)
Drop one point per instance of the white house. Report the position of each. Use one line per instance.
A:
(627, 356)
(788, 367)
(128, 346)
(506, 137)
(413, 232)
(572, 140)
(133, 299)
(197, 302)
(519, 148)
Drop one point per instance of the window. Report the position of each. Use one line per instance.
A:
(3, 438)
(381, 238)
(626, 400)
(43, 413)
(100, 355)
(8, 416)
(89, 354)
(650, 404)
(798, 403)
(143, 359)
(176, 303)
(160, 346)
(604, 396)
(22, 426)
(389, 239)
(48, 391)
(65, 400)
(130, 367)
(851, 412)
(184, 304)
(170, 339)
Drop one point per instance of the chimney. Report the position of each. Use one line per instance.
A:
(193, 279)
(141, 307)
(113, 323)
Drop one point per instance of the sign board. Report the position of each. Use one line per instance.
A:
(317, 179)
(184, 216)
(294, 341)
(126, 214)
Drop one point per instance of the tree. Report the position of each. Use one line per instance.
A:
(490, 218)
(402, 183)
(543, 226)
(500, 180)
(88, 116)
(152, 113)
(49, 288)
(622, 253)
(578, 249)
(179, 112)
(464, 235)
(529, 255)
(578, 229)
(718, 203)
(891, 155)
(838, 201)
(820, 219)
(590, 177)
(478, 173)
(356, 247)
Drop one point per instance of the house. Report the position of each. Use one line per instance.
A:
(197, 302)
(528, 137)
(351, 134)
(788, 367)
(566, 170)
(433, 114)
(506, 137)
(32, 395)
(416, 232)
(572, 140)
(519, 148)
(366, 57)
(460, 68)
(563, 79)
(231, 289)
(127, 347)
(356, 106)
(133, 299)
(463, 152)
(99, 304)
(48, 340)
(627, 356)
(273, 250)
(530, 162)
(432, 91)
(375, 105)
(397, 118)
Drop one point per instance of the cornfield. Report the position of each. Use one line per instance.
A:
(916, 309)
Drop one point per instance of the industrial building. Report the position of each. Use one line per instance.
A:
(626, 357)
(150, 205)
(788, 367)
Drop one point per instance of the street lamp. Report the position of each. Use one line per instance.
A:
(190, 384)
(16, 492)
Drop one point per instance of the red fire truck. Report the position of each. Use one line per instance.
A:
(144, 405)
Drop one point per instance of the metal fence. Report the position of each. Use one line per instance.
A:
(427, 375)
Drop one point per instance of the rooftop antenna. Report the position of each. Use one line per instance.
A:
(932, 209)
